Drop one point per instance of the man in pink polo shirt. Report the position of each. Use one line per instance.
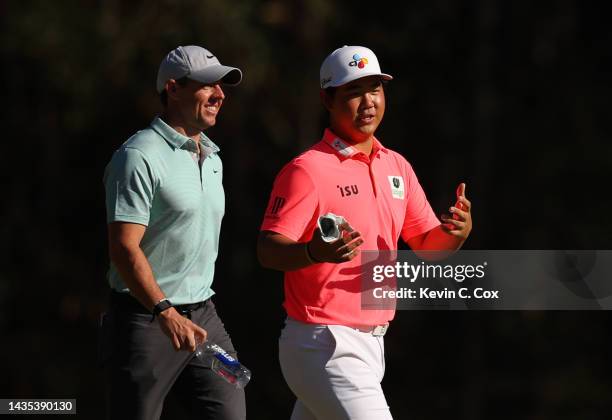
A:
(332, 351)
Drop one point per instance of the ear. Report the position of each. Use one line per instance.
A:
(326, 100)
(171, 88)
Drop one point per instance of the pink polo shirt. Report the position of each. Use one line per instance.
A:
(380, 197)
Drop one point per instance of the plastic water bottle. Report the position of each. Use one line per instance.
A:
(223, 364)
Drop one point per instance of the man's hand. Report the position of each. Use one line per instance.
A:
(184, 334)
(341, 250)
(460, 224)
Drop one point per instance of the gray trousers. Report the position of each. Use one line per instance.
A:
(142, 368)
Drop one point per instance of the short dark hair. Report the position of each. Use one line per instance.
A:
(330, 91)
(163, 96)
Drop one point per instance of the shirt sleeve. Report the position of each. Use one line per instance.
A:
(420, 217)
(130, 187)
(293, 203)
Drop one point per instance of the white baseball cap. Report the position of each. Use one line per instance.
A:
(196, 63)
(347, 64)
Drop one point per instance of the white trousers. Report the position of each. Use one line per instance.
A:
(334, 371)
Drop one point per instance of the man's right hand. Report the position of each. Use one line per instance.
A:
(184, 334)
(341, 250)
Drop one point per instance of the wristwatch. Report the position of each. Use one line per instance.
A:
(160, 307)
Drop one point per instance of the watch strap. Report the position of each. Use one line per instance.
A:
(160, 307)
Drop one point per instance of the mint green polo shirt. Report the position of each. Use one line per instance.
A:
(155, 179)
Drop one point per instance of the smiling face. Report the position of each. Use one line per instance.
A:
(356, 108)
(198, 104)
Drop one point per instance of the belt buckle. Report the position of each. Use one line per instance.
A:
(380, 330)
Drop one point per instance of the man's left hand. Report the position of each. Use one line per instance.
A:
(460, 224)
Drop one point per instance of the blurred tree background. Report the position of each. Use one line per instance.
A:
(511, 97)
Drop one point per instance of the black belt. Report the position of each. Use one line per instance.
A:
(130, 303)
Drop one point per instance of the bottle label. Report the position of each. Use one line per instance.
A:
(222, 356)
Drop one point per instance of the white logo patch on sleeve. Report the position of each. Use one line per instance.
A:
(397, 186)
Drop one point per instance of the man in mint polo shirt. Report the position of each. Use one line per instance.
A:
(165, 202)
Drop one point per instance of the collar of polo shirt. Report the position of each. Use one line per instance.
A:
(346, 151)
(178, 141)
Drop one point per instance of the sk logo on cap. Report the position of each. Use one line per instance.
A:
(358, 61)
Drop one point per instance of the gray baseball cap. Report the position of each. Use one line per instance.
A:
(196, 63)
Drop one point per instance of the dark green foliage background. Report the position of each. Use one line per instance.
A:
(511, 97)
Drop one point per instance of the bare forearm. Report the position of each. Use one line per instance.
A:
(136, 272)
(449, 236)
(435, 245)
(439, 240)
(278, 254)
